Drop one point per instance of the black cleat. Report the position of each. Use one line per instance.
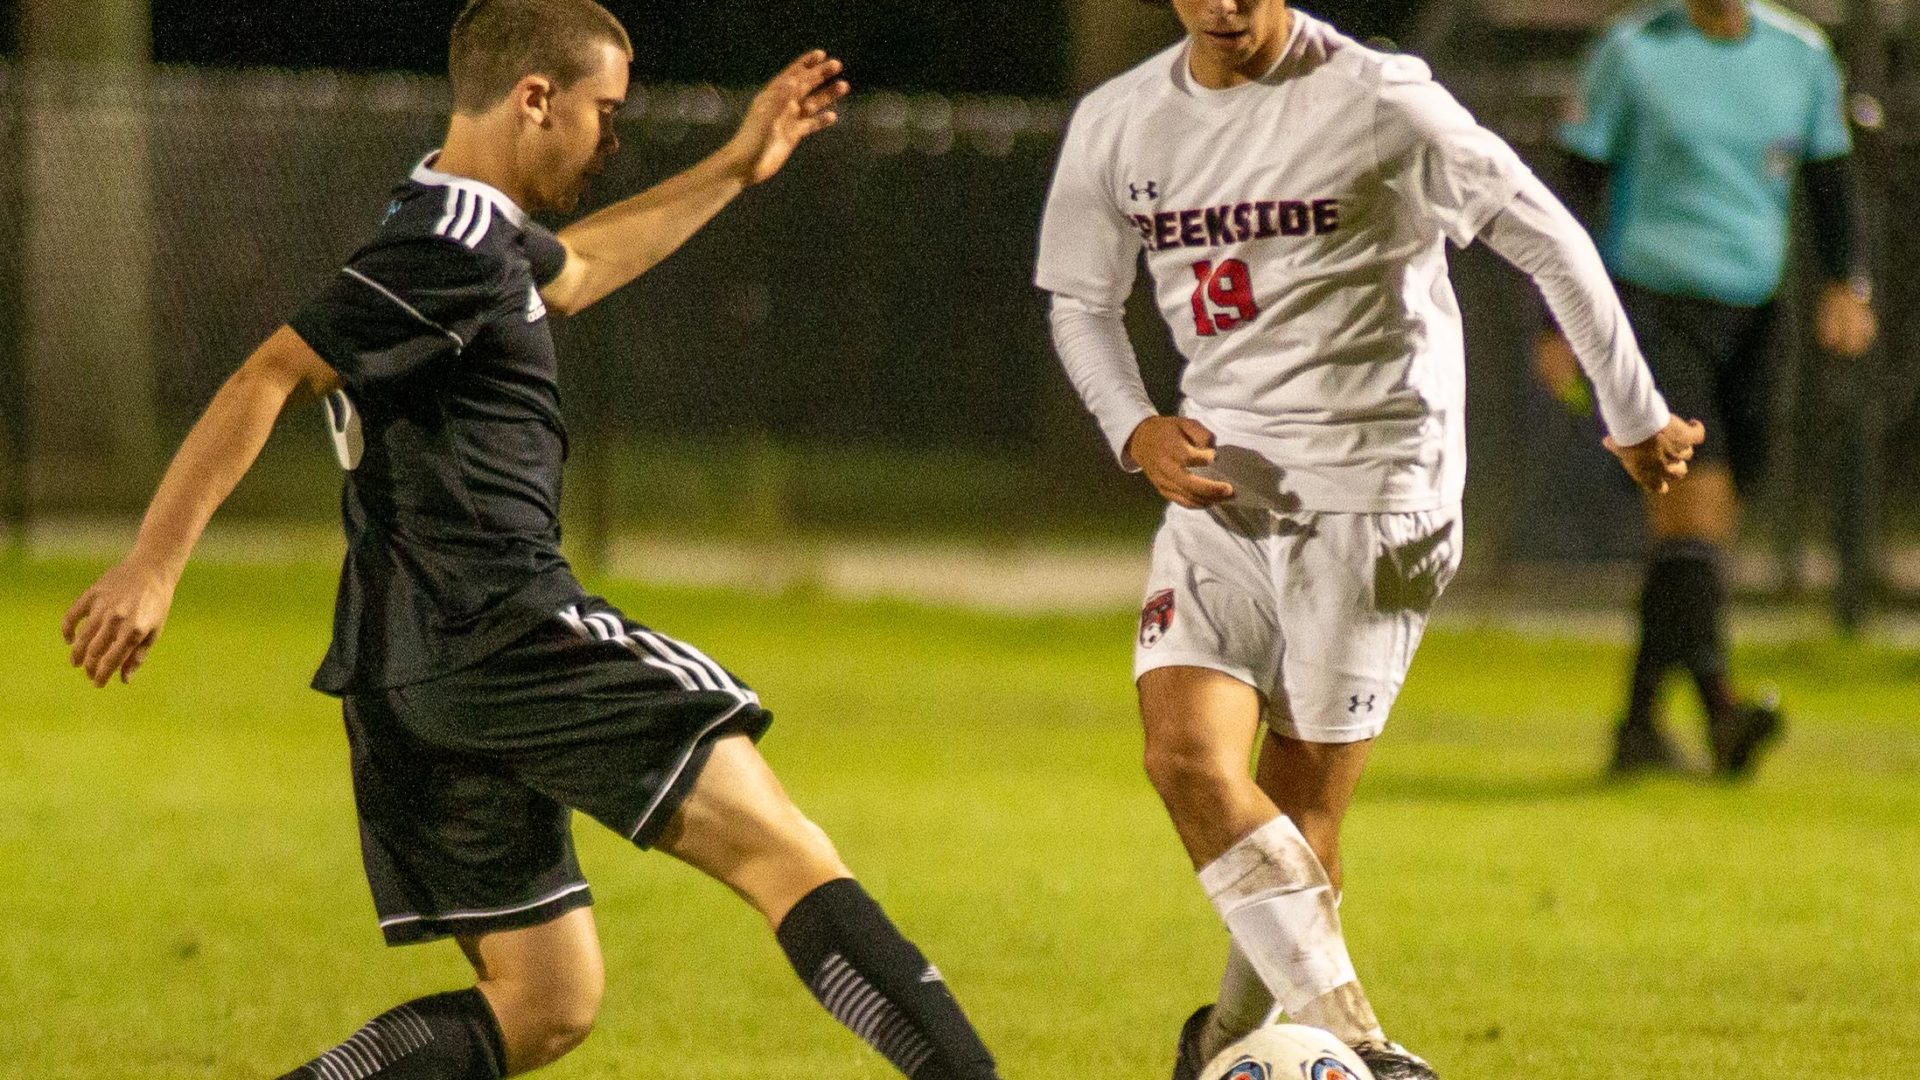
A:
(1739, 740)
(1642, 748)
(1391, 1061)
(1188, 1061)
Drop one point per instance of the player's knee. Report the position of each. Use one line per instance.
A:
(815, 841)
(1183, 770)
(556, 1027)
(543, 1021)
(793, 840)
(562, 1033)
(791, 858)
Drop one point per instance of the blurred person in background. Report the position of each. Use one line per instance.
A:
(1693, 122)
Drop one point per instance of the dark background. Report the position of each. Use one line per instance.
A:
(974, 46)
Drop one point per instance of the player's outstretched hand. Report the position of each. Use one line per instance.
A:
(117, 620)
(797, 103)
(1656, 463)
(1167, 449)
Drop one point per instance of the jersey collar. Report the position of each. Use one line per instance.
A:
(1674, 15)
(426, 175)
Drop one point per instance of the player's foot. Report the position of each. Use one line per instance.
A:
(1739, 739)
(1643, 748)
(1391, 1061)
(1188, 1059)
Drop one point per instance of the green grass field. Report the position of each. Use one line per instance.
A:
(182, 893)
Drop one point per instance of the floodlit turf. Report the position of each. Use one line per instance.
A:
(182, 893)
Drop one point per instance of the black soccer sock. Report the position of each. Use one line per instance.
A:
(1682, 621)
(1699, 595)
(1658, 650)
(444, 1037)
(879, 985)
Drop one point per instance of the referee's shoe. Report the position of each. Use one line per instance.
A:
(1739, 738)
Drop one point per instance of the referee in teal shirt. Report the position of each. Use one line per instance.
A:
(1695, 121)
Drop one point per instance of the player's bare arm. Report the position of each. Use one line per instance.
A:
(1168, 449)
(115, 622)
(609, 249)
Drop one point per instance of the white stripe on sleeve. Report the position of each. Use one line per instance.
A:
(469, 205)
(453, 210)
(480, 225)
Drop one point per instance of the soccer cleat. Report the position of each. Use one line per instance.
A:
(1642, 748)
(1738, 741)
(1187, 1058)
(1391, 1061)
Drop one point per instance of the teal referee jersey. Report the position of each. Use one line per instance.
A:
(1703, 138)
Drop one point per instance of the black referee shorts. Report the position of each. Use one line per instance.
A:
(1715, 364)
(465, 784)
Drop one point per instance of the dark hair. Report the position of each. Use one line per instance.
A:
(496, 43)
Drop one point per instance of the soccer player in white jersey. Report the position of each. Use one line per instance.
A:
(1293, 193)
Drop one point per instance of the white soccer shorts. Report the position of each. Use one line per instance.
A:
(1319, 612)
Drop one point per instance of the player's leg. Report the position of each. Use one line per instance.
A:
(1682, 361)
(1683, 603)
(1206, 661)
(1712, 363)
(738, 826)
(536, 998)
(652, 738)
(455, 845)
(1199, 726)
(543, 984)
(1203, 663)
(1738, 730)
(1355, 592)
(1313, 785)
(1277, 899)
(450, 1036)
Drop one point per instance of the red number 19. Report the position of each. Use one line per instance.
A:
(1229, 285)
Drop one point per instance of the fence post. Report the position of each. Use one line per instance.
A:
(86, 248)
(1856, 508)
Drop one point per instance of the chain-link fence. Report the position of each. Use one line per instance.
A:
(853, 348)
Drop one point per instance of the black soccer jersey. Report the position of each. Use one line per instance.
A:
(452, 494)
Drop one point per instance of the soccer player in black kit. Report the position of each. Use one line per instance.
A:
(486, 694)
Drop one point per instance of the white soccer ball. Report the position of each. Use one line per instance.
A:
(1287, 1052)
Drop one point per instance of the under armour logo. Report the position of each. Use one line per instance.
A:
(1148, 190)
(1355, 704)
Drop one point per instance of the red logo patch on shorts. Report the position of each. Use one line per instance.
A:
(1156, 618)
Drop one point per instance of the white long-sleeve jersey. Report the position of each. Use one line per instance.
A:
(1295, 228)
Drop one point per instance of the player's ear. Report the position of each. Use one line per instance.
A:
(532, 98)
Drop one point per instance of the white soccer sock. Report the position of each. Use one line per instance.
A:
(1281, 908)
(1244, 1003)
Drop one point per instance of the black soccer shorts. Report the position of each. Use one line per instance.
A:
(1715, 363)
(465, 783)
